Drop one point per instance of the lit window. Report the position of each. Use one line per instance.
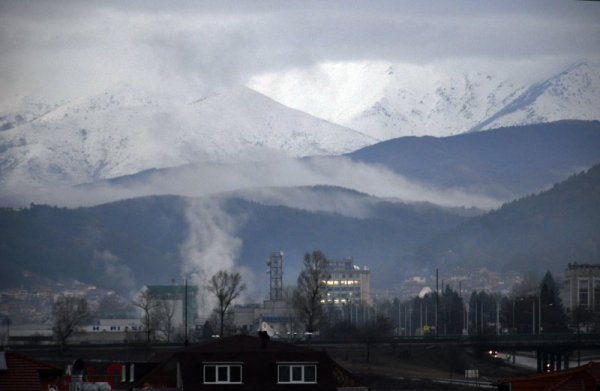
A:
(222, 373)
(296, 373)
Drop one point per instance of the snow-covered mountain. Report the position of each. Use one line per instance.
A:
(387, 100)
(327, 109)
(126, 130)
(573, 94)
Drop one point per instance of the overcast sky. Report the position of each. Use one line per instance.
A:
(63, 47)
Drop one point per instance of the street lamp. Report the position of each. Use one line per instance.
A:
(513, 316)
(540, 313)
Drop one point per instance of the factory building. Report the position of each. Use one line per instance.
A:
(173, 299)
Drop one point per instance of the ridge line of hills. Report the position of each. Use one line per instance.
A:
(137, 241)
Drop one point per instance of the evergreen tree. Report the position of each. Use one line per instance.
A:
(553, 317)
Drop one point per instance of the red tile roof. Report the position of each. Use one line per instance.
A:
(26, 374)
(583, 378)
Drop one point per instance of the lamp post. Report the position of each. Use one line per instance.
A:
(513, 316)
(399, 317)
(533, 317)
(540, 314)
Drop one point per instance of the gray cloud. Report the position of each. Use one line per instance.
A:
(212, 179)
(69, 47)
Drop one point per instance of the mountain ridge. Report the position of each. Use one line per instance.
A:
(545, 230)
(507, 162)
(115, 134)
(402, 100)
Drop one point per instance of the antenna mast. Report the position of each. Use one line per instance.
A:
(275, 264)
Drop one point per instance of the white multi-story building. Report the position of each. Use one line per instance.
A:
(348, 283)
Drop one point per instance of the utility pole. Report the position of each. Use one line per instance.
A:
(410, 320)
(185, 312)
(482, 328)
(421, 320)
(436, 302)
(476, 329)
(540, 314)
(399, 317)
(533, 317)
(498, 317)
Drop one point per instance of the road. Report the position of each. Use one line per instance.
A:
(528, 360)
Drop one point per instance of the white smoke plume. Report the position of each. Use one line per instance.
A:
(210, 246)
(116, 270)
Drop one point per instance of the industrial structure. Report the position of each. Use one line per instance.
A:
(275, 264)
(181, 300)
(348, 286)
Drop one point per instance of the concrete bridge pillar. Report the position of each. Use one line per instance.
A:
(554, 360)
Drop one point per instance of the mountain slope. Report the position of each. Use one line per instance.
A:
(126, 130)
(544, 231)
(507, 162)
(125, 244)
(387, 100)
(572, 94)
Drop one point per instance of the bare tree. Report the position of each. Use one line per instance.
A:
(148, 303)
(165, 312)
(311, 289)
(69, 314)
(293, 325)
(226, 287)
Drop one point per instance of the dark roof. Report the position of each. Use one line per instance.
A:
(246, 343)
(585, 377)
(24, 373)
(259, 360)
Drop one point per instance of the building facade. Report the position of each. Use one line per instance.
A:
(582, 287)
(348, 283)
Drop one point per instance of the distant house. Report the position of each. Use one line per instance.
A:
(583, 378)
(19, 372)
(243, 362)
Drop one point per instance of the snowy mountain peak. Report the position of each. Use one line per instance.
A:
(571, 94)
(386, 100)
(122, 131)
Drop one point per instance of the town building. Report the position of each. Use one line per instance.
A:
(348, 283)
(582, 287)
(248, 363)
(114, 325)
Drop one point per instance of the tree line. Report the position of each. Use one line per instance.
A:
(530, 308)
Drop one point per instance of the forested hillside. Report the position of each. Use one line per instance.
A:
(544, 231)
(126, 244)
